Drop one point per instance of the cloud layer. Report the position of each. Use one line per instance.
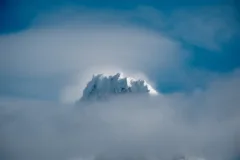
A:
(204, 124)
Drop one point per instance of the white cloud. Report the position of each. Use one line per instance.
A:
(200, 125)
(79, 45)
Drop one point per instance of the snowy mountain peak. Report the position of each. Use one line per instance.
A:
(102, 86)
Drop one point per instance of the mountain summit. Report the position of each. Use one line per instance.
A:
(101, 87)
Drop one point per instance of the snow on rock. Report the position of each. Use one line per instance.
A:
(101, 87)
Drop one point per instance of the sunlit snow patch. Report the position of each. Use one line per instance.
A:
(102, 86)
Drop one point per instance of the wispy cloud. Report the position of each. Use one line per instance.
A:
(208, 27)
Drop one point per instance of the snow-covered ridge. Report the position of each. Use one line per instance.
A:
(102, 86)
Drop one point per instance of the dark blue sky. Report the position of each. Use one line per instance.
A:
(17, 15)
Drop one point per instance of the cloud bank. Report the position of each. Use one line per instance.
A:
(204, 124)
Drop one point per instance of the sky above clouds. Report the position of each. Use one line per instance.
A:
(188, 50)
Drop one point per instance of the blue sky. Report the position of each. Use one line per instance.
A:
(18, 15)
(206, 30)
